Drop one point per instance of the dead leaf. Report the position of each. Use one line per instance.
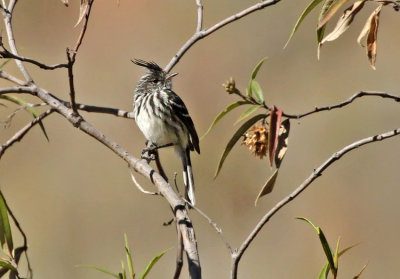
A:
(82, 10)
(274, 126)
(65, 2)
(282, 142)
(331, 10)
(268, 186)
(372, 37)
(344, 21)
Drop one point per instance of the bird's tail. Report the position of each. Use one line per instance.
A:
(187, 175)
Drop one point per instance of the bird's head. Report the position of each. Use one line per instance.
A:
(155, 79)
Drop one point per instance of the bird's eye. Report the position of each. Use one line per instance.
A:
(155, 80)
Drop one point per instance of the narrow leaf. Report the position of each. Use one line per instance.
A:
(324, 243)
(26, 106)
(306, 11)
(257, 68)
(8, 265)
(247, 113)
(5, 229)
(152, 263)
(344, 21)
(336, 255)
(123, 270)
(257, 91)
(333, 8)
(365, 29)
(129, 257)
(274, 126)
(372, 37)
(359, 274)
(82, 10)
(268, 186)
(239, 133)
(223, 113)
(321, 31)
(324, 272)
(5, 63)
(283, 139)
(105, 271)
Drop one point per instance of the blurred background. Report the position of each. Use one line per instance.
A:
(75, 199)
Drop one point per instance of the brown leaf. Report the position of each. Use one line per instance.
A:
(372, 37)
(65, 2)
(268, 186)
(282, 142)
(82, 10)
(274, 126)
(344, 21)
(359, 274)
(331, 10)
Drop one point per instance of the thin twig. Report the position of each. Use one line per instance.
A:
(17, 89)
(213, 224)
(7, 122)
(141, 188)
(345, 103)
(71, 81)
(236, 256)
(200, 34)
(21, 133)
(199, 16)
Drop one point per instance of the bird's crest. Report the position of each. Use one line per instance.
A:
(151, 66)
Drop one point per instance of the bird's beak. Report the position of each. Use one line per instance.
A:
(170, 76)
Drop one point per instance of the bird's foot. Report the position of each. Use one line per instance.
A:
(149, 153)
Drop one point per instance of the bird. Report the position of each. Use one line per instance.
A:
(164, 120)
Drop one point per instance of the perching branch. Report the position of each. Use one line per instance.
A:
(7, 76)
(237, 255)
(21, 133)
(200, 34)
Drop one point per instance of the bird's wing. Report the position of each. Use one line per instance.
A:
(179, 108)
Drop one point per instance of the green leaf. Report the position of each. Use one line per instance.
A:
(307, 10)
(256, 89)
(245, 126)
(257, 68)
(5, 229)
(123, 270)
(152, 263)
(247, 113)
(21, 102)
(99, 269)
(223, 113)
(324, 272)
(336, 255)
(330, 12)
(8, 265)
(129, 257)
(324, 243)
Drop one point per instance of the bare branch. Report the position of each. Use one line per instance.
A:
(345, 103)
(179, 254)
(199, 16)
(17, 89)
(236, 256)
(7, 76)
(7, 54)
(11, 41)
(199, 34)
(21, 133)
(83, 31)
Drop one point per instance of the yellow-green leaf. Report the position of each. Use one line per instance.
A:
(324, 271)
(257, 91)
(152, 263)
(268, 186)
(247, 113)
(129, 257)
(103, 270)
(257, 68)
(306, 11)
(5, 228)
(21, 102)
(239, 133)
(223, 113)
(336, 255)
